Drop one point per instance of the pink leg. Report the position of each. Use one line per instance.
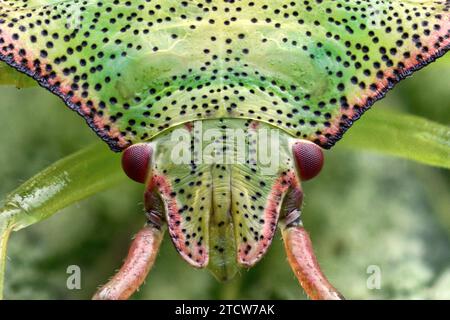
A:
(305, 266)
(137, 265)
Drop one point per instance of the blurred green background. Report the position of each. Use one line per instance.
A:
(363, 210)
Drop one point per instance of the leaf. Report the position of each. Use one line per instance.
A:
(401, 135)
(67, 181)
(11, 77)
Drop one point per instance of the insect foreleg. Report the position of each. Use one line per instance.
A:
(137, 265)
(304, 263)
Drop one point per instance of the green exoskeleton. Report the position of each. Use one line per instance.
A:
(221, 108)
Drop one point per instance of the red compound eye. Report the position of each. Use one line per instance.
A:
(136, 161)
(309, 159)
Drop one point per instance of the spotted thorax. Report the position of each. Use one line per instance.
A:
(222, 108)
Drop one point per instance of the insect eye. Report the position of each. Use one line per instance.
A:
(136, 161)
(309, 159)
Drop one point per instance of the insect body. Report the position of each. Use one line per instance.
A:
(219, 192)
(154, 78)
(222, 210)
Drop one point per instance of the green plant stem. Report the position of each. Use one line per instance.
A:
(65, 182)
(5, 231)
(401, 135)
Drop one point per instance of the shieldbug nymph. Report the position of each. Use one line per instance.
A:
(221, 109)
